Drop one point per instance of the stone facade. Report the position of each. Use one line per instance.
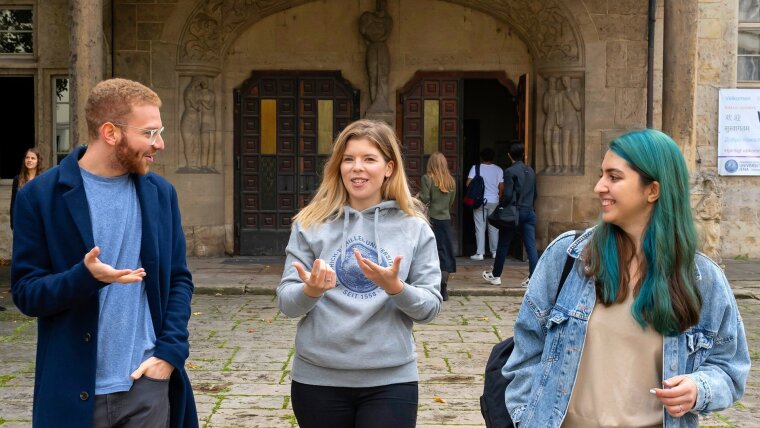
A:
(594, 52)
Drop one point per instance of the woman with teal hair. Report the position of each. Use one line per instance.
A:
(645, 331)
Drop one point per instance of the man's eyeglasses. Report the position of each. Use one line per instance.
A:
(152, 134)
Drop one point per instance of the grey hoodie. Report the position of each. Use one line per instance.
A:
(356, 335)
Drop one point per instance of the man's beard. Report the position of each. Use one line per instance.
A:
(130, 159)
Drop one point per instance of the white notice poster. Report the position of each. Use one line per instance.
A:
(739, 132)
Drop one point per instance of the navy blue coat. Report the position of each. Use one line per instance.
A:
(52, 233)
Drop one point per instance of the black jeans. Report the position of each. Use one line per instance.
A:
(383, 406)
(527, 229)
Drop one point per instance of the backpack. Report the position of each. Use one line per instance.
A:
(492, 403)
(473, 195)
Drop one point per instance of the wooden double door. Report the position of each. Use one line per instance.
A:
(285, 124)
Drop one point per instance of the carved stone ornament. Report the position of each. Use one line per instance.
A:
(213, 22)
(544, 25)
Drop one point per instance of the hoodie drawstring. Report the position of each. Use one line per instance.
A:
(377, 236)
(346, 214)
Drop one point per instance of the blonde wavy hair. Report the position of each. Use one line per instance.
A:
(438, 171)
(328, 202)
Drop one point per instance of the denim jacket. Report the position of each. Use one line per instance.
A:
(549, 339)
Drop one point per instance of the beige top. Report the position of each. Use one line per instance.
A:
(620, 363)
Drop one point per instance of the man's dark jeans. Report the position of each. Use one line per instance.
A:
(527, 229)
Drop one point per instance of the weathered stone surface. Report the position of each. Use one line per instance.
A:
(621, 27)
(585, 209)
(125, 27)
(616, 54)
(630, 107)
(627, 7)
(134, 65)
(149, 30)
(710, 28)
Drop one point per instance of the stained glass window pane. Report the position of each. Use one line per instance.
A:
(268, 127)
(325, 126)
(432, 119)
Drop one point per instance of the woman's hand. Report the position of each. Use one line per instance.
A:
(680, 397)
(385, 278)
(319, 280)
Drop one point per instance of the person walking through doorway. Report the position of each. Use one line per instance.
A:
(493, 178)
(520, 178)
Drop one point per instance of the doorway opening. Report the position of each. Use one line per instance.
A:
(18, 121)
(490, 120)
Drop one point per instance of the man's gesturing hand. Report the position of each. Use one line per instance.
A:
(105, 273)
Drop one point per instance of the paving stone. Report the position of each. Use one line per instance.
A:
(241, 354)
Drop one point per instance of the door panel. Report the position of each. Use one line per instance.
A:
(415, 124)
(285, 122)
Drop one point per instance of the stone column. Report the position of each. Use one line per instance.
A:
(679, 80)
(85, 60)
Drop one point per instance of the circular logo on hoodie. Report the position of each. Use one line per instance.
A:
(349, 273)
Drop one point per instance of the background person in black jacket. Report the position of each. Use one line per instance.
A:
(522, 179)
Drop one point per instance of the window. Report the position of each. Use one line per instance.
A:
(16, 31)
(748, 60)
(62, 118)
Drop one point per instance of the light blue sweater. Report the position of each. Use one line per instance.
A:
(125, 334)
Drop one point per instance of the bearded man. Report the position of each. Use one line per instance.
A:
(99, 259)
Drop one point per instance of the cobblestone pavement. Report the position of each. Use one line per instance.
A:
(242, 349)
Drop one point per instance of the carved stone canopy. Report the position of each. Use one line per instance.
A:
(546, 26)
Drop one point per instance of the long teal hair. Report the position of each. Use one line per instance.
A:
(668, 298)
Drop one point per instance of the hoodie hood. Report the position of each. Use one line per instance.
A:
(374, 212)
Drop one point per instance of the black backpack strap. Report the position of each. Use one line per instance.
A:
(569, 262)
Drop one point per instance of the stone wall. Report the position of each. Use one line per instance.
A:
(739, 224)
(607, 69)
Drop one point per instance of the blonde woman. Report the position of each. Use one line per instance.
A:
(30, 168)
(438, 192)
(361, 268)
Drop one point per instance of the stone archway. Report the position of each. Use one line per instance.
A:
(546, 26)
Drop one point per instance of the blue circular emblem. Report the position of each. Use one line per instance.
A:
(349, 273)
(731, 166)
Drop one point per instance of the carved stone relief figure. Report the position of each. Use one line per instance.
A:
(552, 107)
(207, 106)
(571, 127)
(375, 27)
(707, 214)
(190, 125)
(198, 127)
